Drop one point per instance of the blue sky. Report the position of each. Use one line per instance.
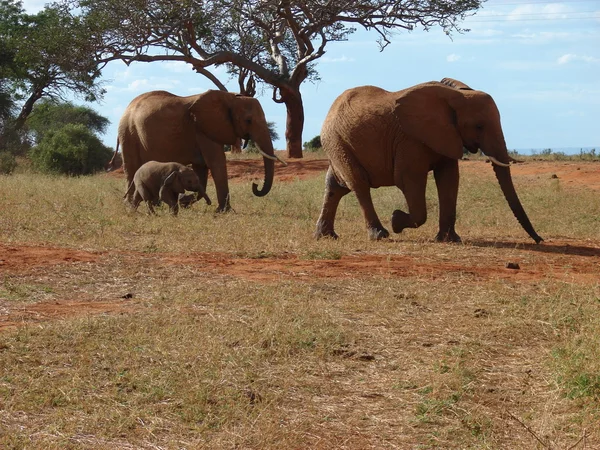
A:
(539, 60)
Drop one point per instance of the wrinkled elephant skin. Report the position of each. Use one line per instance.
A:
(375, 138)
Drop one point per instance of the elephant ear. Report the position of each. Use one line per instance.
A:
(455, 84)
(173, 181)
(425, 114)
(213, 113)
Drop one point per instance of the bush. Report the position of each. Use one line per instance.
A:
(72, 150)
(7, 162)
(313, 145)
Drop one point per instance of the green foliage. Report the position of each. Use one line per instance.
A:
(50, 115)
(45, 55)
(549, 154)
(8, 162)
(588, 155)
(72, 150)
(313, 145)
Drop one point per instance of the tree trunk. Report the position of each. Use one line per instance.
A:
(292, 98)
(27, 108)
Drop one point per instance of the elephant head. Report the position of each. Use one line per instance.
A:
(224, 117)
(182, 180)
(462, 117)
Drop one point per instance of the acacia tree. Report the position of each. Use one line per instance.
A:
(278, 41)
(50, 56)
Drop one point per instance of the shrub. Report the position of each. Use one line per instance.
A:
(7, 162)
(72, 150)
(313, 145)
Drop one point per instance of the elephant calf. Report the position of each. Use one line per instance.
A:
(156, 181)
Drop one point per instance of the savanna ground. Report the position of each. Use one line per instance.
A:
(239, 330)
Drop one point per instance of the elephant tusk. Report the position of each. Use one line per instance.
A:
(281, 160)
(498, 163)
(273, 158)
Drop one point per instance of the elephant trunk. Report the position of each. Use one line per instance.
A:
(506, 184)
(268, 181)
(265, 148)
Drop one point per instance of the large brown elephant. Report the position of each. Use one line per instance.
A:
(375, 138)
(160, 126)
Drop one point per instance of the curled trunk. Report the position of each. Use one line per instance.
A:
(268, 181)
(506, 184)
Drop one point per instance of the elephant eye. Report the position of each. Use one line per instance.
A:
(248, 120)
(479, 127)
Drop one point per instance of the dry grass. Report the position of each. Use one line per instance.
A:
(443, 355)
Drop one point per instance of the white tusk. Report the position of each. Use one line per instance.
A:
(266, 156)
(498, 163)
(281, 160)
(273, 158)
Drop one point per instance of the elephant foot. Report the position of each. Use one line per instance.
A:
(448, 236)
(330, 234)
(224, 209)
(323, 232)
(376, 234)
(400, 221)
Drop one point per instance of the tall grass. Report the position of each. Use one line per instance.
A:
(441, 355)
(89, 212)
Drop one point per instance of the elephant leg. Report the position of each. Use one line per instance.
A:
(150, 207)
(131, 163)
(446, 178)
(171, 198)
(137, 199)
(375, 229)
(217, 163)
(334, 192)
(202, 172)
(413, 186)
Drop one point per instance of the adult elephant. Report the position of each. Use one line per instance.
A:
(375, 138)
(160, 126)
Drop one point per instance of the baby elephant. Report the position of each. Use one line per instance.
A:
(155, 181)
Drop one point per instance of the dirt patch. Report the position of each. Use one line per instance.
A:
(574, 174)
(296, 169)
(17, 257)
(46, 311)
(568, 261)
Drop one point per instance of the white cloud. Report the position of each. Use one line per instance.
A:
(486, 33)
(570, 57)
(174, 66)
(144, 85)
(341, 59)
(453, 57)
(554, 11)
